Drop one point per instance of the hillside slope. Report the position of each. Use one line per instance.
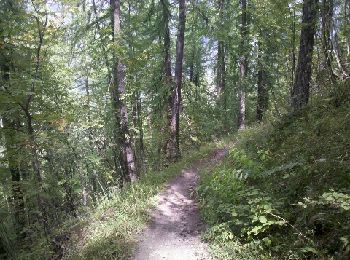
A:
(284, 190)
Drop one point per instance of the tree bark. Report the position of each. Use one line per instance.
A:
(37, 171)
(167, 77)
(89, 171)
(167, 42)
(221, 70)
(33, 146)
(174, 142)
(343, 71)
(192, 66)
(347, 22)
(263, 94)
(293, 51)
(327, 17)
(126, 152)
(221, 66)
(243, 65)
(138, 138)
(195, 70)
(301, 88)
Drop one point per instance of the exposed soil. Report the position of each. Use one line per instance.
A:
(175, 227)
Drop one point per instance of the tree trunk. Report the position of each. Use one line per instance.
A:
(69, 198)
(293, 51)
(263, 98)
(116, 154)
(195, 66)
(327, 17)
(347, 22)
(13, 164)
(9, 125)
(89, 171)
(301, 88)
(174, 143)
(138, 138)
(343, 71)
(37, 171)
(167, 77)
(243, 65)
(126, 153)
(192, 65)
(221, 66)
(221, 71)
(167, 42)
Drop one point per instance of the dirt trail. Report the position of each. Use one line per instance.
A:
(175, 228)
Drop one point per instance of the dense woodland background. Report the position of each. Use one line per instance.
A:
(95, 95)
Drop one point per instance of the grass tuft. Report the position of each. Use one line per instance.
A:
(110, 231)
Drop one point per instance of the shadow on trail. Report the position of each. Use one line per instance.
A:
(175, 226)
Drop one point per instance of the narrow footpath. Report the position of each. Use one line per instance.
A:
(175, 227)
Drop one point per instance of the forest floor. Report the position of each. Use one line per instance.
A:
(175, 227)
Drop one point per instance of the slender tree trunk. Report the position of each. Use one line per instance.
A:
(167, 43)
(174, 142)
(347, 22)
(221, 75)
(140, 125)
(127, 155)
(90, 172)
(69, 198)
(301, 88)
(293, 51)
(195, 61)
(343, 71)
(13, 163)
(196, 77)
(167, 75)
(195, 66)
(37, 171)
(263, 95)
(138, 138)
(327, 17)
(221, 70)
(194, 70)
(243, 65)
(221, 66)
(33, 146)
(12, 152)
(192, 65)
(116, 154)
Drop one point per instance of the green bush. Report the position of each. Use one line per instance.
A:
(284, 189)
(110, 230)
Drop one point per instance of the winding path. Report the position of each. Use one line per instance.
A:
(175, 227)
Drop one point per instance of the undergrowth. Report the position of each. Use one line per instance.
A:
(284, 190)
(110, 230)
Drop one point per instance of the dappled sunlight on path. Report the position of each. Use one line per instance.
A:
(175, 228)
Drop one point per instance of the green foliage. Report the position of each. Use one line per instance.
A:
(58, 132)
(109, 230)
(7, 237)
(284, 188)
